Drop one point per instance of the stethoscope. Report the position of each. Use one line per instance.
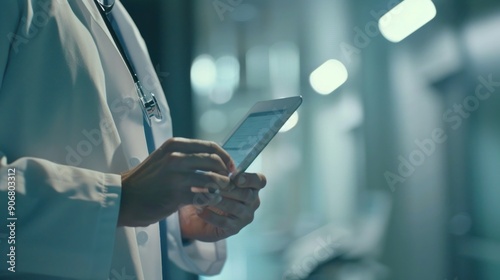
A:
(150, 108)
(149, 104)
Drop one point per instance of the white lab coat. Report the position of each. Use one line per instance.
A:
(70, 122)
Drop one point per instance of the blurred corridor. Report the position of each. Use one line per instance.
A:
(389, 170)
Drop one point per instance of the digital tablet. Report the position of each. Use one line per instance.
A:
(257, 128)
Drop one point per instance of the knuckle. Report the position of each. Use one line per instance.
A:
(175, 158)
(171, 141)
(214, 157)
(249, 195)
(257, 203)
(251, 217)
(213, 145)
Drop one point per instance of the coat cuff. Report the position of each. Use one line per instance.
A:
(202, 258)
(66, 219)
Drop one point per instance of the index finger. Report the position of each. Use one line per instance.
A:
(187, 146)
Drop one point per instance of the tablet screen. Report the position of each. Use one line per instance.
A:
(253, 135)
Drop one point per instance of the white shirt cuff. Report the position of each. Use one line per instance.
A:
(205, 258)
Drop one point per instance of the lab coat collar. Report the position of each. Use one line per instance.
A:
(93, 16)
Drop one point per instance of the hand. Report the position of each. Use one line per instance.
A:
(225, 216)
(163, 182)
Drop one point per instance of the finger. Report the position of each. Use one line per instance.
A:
(201, 179)
(234, 209)
(197, 146)
(198, 161)
(250, 180)
(222, 183)
(227, 223)
(216, 211)
(246, 196)
(198, 197)
(202, 199)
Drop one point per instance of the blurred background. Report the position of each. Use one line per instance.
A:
(390, 168)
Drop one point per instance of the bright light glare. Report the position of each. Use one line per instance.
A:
(221, 95)
(203, 74)
(227, 80)
(290, 123)
(228, 71)
(406, 18)
(328, 76)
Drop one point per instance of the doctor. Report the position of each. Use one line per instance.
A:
(86, 196)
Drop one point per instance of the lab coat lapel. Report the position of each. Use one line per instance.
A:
(93, 17)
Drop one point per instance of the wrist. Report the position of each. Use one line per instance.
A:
(123, 216)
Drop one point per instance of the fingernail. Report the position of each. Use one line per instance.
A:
(241, 180)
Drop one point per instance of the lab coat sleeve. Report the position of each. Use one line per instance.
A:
(197, 257)
(65, 220)
(62, 219)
